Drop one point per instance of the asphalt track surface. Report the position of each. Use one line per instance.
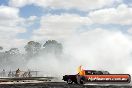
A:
(60, 85)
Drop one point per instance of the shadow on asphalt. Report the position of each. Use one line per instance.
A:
(60, 85)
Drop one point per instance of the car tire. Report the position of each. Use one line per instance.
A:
(82, 81)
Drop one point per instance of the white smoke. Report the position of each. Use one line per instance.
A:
(98, 49)
(102, 49)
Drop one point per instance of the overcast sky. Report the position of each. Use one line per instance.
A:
(39, 20)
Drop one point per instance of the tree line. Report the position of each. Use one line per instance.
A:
(32, 49)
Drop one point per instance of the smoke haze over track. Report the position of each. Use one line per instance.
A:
(95, 49)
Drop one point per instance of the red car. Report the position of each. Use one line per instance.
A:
(93, 76)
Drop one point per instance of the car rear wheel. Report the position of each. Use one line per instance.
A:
(82, 81)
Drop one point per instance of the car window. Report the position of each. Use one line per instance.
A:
(88, 72)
